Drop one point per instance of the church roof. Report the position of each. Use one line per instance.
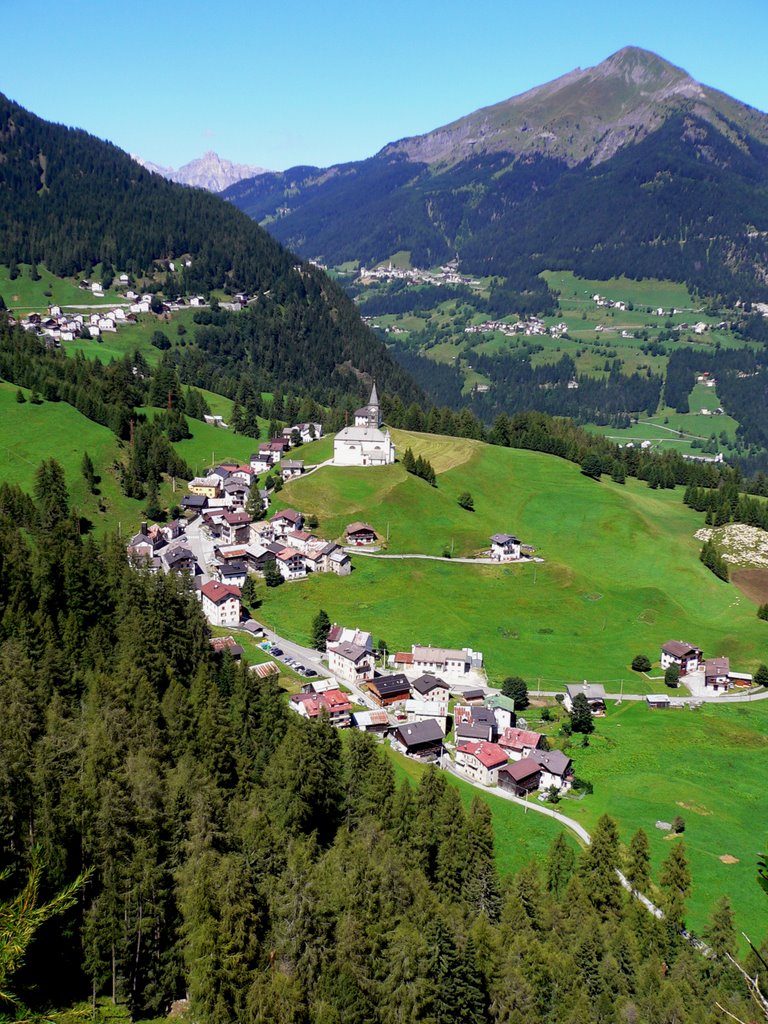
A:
(363, 434)
(374, 399)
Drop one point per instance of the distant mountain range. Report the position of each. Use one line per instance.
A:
(628, 167)
(209, 171)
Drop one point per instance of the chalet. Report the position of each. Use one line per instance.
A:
(235, 528)
(351, 662)
(480, 761)
(556, 769)
(307, 432)
(142, 545)
(521, 777)
(300, 540)
(594, 692)
(334, 703)
(222, 644)
(233, 573)
(520, 743)
(430, 688)
(194, 503)
(215, 421)
(717, 673)
(473, 697)
(371, 721)
(503, 710)
(314, 560)
(422, 740)
(242, 473)
(505, 547)
(386, 690)
(283, 522)
(291, 564)
(179, 558)
(360, 534)
(221, 603)
(470, 723)
(261, 461)
(444, 659)
(291, 468)
(684, 655)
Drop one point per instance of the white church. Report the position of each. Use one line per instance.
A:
(364, 444)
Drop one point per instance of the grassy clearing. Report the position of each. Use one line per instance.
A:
(25, 295)
(621, 573)
(650, 292)
(30, 433)
(705, 765)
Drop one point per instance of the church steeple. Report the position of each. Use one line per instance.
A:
(374, 399)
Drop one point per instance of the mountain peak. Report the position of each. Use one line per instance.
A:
(584, 115)
(210, 171)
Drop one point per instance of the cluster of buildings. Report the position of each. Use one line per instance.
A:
(701, 674)
(448, 274)
(59, 326)
(532, 326)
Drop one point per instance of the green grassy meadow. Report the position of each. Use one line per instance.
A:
(620, 576)
(25, 295)
(705, 765)
(30, 433)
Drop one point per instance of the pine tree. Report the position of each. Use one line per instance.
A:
(581, 716)
(321, 625)
(675, 881)
(598, 866)
(638, 862)
(561, 862)
(272, 575)
(516, 688)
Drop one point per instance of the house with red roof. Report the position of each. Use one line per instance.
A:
(335, 703)
(520, 743)
(481, 761)
(221, 603)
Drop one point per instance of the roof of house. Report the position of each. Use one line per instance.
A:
(592, 691)
(403, 658)
(463, 715)
(717, 667)
(300, 536)
(427, 683)
(237, 518)
(554, 761)
(359, 528)
(427, 708)
(265, 669)
(679, 648)
(290, 514)
(218, 592)
(490, 755)
(387, 686)
(518, 739)
(352, 652)
(178, 554)
(233, 569)
(226, 643)
(473, 694)
(504, 538)
(521, 770)
(472, 730)
(438, 654)
(369, 718)
(415, 733)
(286, 554)
(498, 700)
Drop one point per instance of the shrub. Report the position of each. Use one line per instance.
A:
(641, 663)
(678, 825)
(672, 676)
(762, 612)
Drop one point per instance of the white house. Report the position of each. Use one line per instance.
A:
(351, 662)
(291, 564)
(445, 659)
(505, 547)
(221, 603)
(556, 769)
(684, 655)
(481, 761)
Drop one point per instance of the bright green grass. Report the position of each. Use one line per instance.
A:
(621, 572)
(650, 292)
(645, 765)
(30, 433)
(26, 295)
(137, 337)
(520, 836)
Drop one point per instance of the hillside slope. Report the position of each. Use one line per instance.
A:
(635, 140)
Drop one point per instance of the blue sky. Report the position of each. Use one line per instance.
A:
(277, 84)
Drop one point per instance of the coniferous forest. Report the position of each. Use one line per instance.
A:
(266, 867)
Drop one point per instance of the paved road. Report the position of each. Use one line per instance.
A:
(442, 558)
(570, 823)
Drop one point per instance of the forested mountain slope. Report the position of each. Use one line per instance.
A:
(631, 167)
(72, 201)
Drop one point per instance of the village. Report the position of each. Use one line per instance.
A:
(530, 327)
(447, 274)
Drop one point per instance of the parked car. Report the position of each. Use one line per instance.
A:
(277, 651)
